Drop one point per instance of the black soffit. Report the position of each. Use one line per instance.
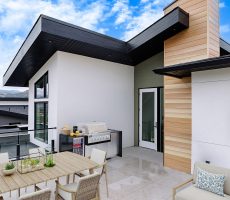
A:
(185, 69)
(49, 35)
(224, 47)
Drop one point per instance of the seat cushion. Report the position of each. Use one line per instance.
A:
(194, 193)
(84, 173)
(67, 195)
(44, 194)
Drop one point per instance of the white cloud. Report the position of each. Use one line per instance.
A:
(25, 13)
(150, 13)
(8, 48)
(122, 9)
(144, 1)
(224, 28)
(221, 4)
(18, 16)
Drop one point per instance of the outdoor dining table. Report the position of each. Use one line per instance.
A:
(66, 163)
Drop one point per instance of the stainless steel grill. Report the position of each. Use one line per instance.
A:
(95, 132)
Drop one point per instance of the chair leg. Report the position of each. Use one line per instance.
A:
(174, 194)
(1, 198)
(67, 179)
(106, 181)
(98, 193)
(73, 178)
(19, 193)
(56, 191)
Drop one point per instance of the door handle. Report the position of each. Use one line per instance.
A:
(155, 125)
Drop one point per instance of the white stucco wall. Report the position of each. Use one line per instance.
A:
(51, 67)
(211, 116)
(96, 90)
(83, 89)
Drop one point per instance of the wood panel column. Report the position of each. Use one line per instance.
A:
(199, 41)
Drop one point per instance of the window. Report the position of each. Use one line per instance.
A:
(41, 121)
(41, 87)
(41, 109)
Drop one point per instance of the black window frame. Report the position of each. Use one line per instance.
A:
(44, 129)
(43, 79)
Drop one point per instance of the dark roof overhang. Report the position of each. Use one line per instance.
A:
(224, 47)
(151, 40)
(49, 35)
(185, 69)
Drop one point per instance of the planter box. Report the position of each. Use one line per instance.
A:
(30, 164)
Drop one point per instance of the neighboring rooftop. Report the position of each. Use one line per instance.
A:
(49, 35)
(13, 98)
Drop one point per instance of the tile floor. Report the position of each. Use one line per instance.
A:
(138, 175)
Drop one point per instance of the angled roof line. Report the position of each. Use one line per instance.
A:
(49, 35)
(225, 47)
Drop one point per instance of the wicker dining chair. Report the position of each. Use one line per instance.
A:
(44, 194)
(99, 157)
(85, 189)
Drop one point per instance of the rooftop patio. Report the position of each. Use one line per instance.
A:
(139, 174)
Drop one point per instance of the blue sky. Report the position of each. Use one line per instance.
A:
(225, 20)
(121, 19)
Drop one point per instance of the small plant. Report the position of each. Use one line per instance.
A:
(9, 166)
(49, 161)
(34, 162)
(26, 162)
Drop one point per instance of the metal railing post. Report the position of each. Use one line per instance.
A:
(18, 148)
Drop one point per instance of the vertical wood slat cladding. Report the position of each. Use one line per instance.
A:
(199, 41)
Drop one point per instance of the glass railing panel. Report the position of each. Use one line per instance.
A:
(17, 142)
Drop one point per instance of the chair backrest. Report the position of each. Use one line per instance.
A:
(87, 187)
(4, 158)
(36, 152)
(215, 170)
(44, 194)
(99, 157)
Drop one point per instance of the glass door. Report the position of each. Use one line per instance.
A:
(148, 118)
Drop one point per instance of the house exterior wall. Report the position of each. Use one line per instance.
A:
(51, 67)
(145, 78)
(210, 117)
(96, 90)
(83, 89)
(199, 41)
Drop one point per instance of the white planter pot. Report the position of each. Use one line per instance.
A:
(8, 172)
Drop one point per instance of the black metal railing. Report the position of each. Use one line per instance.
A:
(13, 141)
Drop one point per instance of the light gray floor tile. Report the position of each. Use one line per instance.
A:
(138, 175)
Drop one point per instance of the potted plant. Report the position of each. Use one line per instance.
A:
(9, 169)
(49, 161)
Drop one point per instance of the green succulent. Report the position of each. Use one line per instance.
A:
(34, 162)
(9, 166)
